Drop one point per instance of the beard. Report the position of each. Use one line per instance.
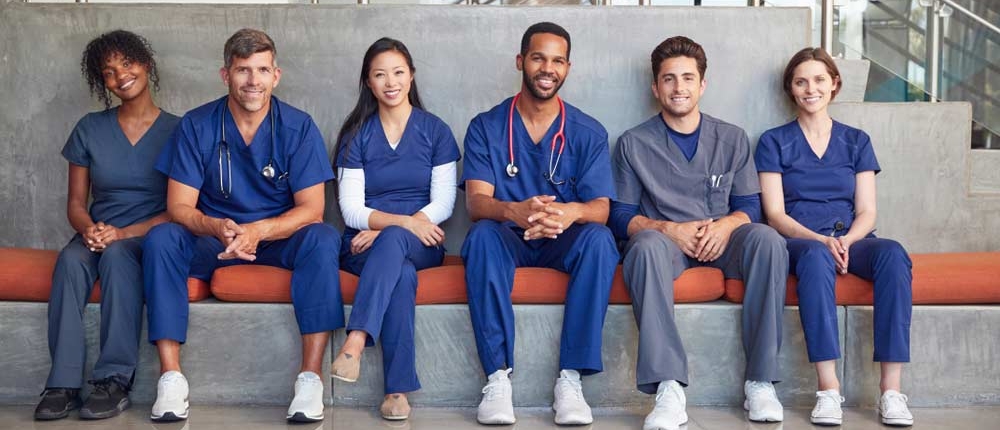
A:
(539, 94)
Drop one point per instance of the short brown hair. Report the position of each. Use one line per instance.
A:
(245, 43)
(808, 54)
(678, 46)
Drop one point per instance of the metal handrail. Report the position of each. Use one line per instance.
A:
(972, 15)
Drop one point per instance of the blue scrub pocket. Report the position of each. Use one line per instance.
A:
(718, 188)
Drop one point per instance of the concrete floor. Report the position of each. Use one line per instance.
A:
(701, 418)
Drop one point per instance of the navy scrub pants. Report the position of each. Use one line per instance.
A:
(883, 261)
(384, 304)
(119, 268)
(492, 251)
(172, 254)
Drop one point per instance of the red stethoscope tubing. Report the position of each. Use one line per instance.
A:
(559, 136)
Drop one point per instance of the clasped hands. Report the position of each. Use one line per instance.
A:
(100, 235)
(542, 217)
(427, 232)
(241, 240)
(704, 240)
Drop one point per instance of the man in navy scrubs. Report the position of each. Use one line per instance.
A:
(246, 186)
(688, 196)
(538, 187)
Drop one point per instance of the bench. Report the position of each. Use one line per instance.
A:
(243, 331)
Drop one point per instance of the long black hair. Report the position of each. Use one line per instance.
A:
(130, 46)
(367, 104)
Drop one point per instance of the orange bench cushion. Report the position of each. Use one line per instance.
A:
(939, 279)
(26, 275)
(446, 285)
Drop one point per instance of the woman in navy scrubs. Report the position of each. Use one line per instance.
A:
(111, 155)
(397, 178)
(817, 178)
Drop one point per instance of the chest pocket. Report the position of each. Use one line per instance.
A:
(718, 188)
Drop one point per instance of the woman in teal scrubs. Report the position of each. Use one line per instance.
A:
(111, 155)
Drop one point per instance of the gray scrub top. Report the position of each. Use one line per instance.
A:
(651, 171)
(125, 188)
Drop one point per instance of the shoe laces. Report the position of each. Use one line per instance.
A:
(667, 398)
(760, 388)
(495, 388)
(570, 387)
(104, 385)
(826, 400)
(894, 401)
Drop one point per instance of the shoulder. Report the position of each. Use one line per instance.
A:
(583, 123)
(204, 113)
(642, 134)
(720, 126)
(780, 133)
(428, 120)
(169, 119)
(851, 135)
(97, 119)
(292, 117)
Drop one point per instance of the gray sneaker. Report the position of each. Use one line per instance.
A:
(497, 406)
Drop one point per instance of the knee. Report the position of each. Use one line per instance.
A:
(320, 237)
(73, 257)
(648, 244)
(163, 238)
(764, 239)
(393, 234)
(892, 253)
(597, 237)
(815, 256)
(120, 254)
(482, 234)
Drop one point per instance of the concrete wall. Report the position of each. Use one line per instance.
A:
(464, 58)
(925, 196)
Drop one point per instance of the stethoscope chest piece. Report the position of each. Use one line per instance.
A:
(268, 171)
(511, 170)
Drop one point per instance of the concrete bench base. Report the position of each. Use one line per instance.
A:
(237, 353)
(451, 375)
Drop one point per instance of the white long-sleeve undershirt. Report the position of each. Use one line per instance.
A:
(351, 188)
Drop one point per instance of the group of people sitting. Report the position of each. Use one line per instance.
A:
(156, 199)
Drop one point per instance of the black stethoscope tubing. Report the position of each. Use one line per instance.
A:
(267, 171)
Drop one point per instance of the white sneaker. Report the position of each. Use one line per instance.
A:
(827, 410)
(171, 398)
(668, 413)
(307, 406)
(570, 406)
(762, 402)
(892, 408)
(497, 406)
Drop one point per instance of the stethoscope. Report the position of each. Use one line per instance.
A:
(560, 136)
(267, 171)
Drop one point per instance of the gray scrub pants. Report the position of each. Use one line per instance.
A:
(755, 254)
(120, 269)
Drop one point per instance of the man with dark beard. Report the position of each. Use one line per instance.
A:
(538, 185)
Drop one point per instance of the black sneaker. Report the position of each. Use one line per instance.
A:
(57, 402)
(109, 398)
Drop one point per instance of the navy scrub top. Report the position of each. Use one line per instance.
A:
(398, 181)
(124, 186)
(819, 191)
(585, 165)
(197, 158)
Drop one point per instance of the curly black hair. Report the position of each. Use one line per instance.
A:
(133, 47)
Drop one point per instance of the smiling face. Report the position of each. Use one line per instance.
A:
(679, 86)
(125, 79)
(251, 80)
(389, 79)
(812, 87)
(545, 65)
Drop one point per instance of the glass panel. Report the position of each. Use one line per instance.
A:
(893, 34)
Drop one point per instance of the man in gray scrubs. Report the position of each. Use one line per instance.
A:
(688, 195)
